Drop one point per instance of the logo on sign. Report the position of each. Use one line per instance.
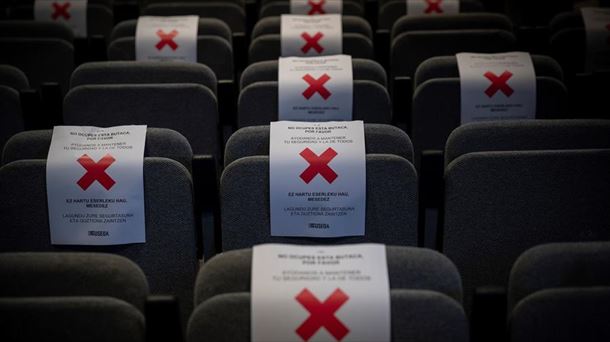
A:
(434, 6)
(167, 39)
(318, 165)
(316, 86)
(312, 42)
(499, 83)
(61, 10)
(96, 172)
(316, 7)
(322, 314)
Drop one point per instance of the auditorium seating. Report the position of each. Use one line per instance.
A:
(12, 80)
(391, 11)
(278, 7)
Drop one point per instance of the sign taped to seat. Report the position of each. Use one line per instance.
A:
(315, 88)
(597, 26)
(317, 175)
(304, 36)
(167, 38)
(316, 7)
(330, 293)
(497, 86)
(95, 185)
(432, 7)
(72, 13)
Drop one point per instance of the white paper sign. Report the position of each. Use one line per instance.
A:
(597, 26)
(497, 86)
(167, 38)
(314, 293)
(304, 36)
(317, 179)
(433, 7)
(315, 88)
(316, 7)
(95, 185)
(72, 13)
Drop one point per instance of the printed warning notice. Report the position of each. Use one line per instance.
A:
(316, 7)
(95, 185)
(72, 13)
(315, 88)
(597, 26)
(497, 86)
(433, 7)
(314, 293)
(317, 179)
(167, 38)
(305, 36)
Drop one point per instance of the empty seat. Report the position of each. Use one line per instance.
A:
(391, 204)
(349, 24)
(391, 11)
(379, 139)
(169, 256)
(408, 268)
(499, 204)
(160, 142)
(70, 319)
(13, 78)
(35, 29)
(11, 118)
(539, 13)
(417, 315)
(207, 27)
(467, 21)
(276, 8)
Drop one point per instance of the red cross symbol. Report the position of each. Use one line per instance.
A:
(322, 314)
(96, 172)
(499, 83)
(434, 6)
(316, 7)
(167, 39)
(61, 10)
(318, 165)
(312, 42)
(316, 86)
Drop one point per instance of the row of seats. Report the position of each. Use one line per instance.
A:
(102, 297)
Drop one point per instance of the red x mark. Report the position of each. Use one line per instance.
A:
(322, 314)
(499, 83)
(61, 10)
(312, 42)
(96, 172)
(167, 39)
(434, 6)
(318, 165)
(316, 7)
(316, 86)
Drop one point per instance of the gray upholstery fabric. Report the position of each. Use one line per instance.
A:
(190, 109)
(434, 120)
(169, 256)
(213, 51)
(391, 204)
(258, 104)
(133, 72)
(379, 139)
(569, 47)
(362, 69)
(72, 274)
(231, 14)
(580, 264)
(100, 20)
(11, 119)
(35, 29)
(207, 27)
(70, 319)
(13, 78)
(522, 135)
(391, 11)
(410, 49)
(563, 315)
(160, 142)
(277, 8)
(447, 67)
(25, 55)
(265, 2)
(351, 24)
(416, 315)
(499, 204)
(408, 268)
(566, 20)
(463, 21)
(144, 3)
(268, 47)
